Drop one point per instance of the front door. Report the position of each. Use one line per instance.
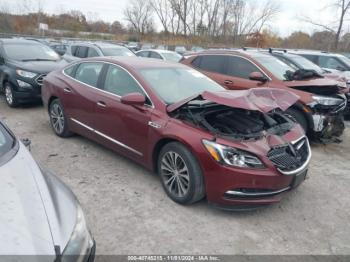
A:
(121, 127)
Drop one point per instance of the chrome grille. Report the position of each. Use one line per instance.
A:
(291, 156)
(39, 80)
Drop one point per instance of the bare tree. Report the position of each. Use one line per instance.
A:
(163, 10)
(139, 14)
(342, 8)
(182, 9)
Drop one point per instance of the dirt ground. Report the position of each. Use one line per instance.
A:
(129, 213)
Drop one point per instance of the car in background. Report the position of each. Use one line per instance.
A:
(180, 50)
(40, 216)
(322, 101)
(59, 48)
(329, 61)
(197, 49)
(160, 54)
(77, 51)
(147, 46)
(133, 46)
(236, 148)
(300, 62)
(23, 66)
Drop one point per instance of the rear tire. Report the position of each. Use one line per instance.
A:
(58, 119)
(180, 174)
(298, 117)
(10, 97)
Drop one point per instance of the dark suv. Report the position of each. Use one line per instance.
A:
(23, 65)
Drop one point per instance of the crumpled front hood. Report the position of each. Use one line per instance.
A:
(255, 99)
(320, 82)
(23, 222)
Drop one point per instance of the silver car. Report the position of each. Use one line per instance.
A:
(39, 215)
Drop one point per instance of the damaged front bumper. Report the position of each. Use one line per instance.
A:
(328, 121)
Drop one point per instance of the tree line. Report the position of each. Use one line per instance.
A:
(211, 23)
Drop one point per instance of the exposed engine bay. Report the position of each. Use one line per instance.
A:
(234, 123)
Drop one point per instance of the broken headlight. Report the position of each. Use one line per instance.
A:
(232, 156)
(326, 100)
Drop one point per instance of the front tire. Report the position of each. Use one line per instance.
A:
(180, 174)
(58, 119)
(10, 97)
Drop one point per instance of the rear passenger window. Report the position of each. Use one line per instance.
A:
(240, 67)
(143, 54)
(88, 73)
(119, 82)
(74, 50)
(213, 63)
(330, 62)
(82, 52)
(155, 55)
(92, 52)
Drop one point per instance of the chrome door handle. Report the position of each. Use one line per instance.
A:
(101, 104)
(67, 90)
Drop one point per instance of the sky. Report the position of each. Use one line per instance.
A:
(288, 21)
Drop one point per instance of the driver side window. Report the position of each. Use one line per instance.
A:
(240, 67)
(120, 83)
(330, 62)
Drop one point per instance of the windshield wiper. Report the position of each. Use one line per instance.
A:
(37, 59)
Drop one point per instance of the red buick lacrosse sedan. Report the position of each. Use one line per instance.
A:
(236, 148)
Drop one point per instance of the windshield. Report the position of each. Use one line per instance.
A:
(175, 84)
(116, 51)
(6, 141)
(30, 52)
(307, 64)
(275, 66)
(173, 57)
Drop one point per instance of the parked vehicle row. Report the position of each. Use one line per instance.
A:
(231, 126)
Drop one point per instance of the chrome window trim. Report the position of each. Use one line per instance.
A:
(103, 91)
(107, 137)
(262, 71)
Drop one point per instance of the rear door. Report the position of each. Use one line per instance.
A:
(121, 127)
(215, 67)
(79, 94)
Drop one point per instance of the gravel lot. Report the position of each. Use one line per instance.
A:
(129, 213)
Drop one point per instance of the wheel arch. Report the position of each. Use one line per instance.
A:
(164, 141)
(304, 111)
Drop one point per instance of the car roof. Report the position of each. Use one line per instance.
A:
(18, 41)
(157, 50)
(239, 52)
(137, 62)
(98, 44)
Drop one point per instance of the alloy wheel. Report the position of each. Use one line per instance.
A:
(8, 95)
(57, 118)
(175, 174)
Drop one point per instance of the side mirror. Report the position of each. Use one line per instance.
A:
(133, 99)
(257, 76)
